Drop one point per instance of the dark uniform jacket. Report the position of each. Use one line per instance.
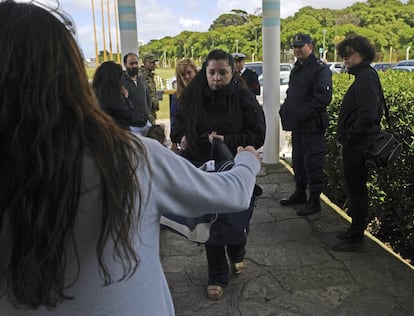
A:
(362, 106)
(252, 80)
(139, 98)
(308, 95)
(234, 113)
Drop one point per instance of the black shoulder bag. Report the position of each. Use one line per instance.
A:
(384, 147)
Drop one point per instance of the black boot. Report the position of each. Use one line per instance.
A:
(298, 197)
(349, 244)
(312, 206)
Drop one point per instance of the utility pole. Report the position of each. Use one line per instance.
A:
(118, 53)
(103, 30)
(94, 35)
(109, 30)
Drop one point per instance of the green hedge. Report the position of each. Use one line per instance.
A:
(392, 190)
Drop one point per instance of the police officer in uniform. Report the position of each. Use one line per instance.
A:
(304, 113)
(249, 75)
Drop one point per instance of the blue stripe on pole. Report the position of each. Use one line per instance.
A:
(126, 9)
(271, 6)
(271, 22)
(128, 26)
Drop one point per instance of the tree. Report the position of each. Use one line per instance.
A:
(387, 23)
(227, 19)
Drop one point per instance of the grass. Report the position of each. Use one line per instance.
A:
(164, 112)
(164, 73)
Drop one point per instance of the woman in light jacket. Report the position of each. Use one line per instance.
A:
(80, 197)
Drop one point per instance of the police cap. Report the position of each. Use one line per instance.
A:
(301, 39)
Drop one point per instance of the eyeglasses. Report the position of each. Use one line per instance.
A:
(348, 54)
(298, 46)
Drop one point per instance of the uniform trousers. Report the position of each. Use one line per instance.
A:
(308, 158)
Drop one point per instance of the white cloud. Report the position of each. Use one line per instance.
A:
(188, 22)
(224, 6)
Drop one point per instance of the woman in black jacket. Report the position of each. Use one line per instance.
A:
(359, 119)
(217, 104)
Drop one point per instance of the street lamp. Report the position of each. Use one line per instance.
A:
(323, 45)
(255, 47)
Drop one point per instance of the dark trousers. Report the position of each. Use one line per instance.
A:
(218, 269)
(308, 159)
(356, 175)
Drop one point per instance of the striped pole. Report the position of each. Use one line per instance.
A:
(271, 79)
(128, 26)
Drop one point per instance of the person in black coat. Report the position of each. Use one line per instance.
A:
(113, 97)
(359, 118)
(248, 75)
(304, 113)
(217, 104)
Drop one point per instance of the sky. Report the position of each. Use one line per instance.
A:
(159, 18)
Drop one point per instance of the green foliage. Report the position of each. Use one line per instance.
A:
(391, 190)
(388, 23)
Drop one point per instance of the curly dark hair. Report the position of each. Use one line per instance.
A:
(359, 44)
(49, 122)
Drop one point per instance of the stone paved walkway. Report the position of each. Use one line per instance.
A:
(290, 267)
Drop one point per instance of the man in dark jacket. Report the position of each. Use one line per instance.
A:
(304, 113)
(248, 75)
(138, 93)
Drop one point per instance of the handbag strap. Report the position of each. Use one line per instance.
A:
(223, 151)
(386, 109)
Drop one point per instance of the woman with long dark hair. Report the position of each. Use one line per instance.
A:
(113, 96)
(80, 203)
(218, 104)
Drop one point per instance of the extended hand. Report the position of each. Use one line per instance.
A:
(250, 149)
(215, 135)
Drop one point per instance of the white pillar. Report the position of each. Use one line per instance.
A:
(271, 78)
(128, 27)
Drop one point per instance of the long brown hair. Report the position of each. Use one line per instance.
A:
(179, 70)
(49, 120)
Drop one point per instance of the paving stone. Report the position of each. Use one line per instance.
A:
(290, 267)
